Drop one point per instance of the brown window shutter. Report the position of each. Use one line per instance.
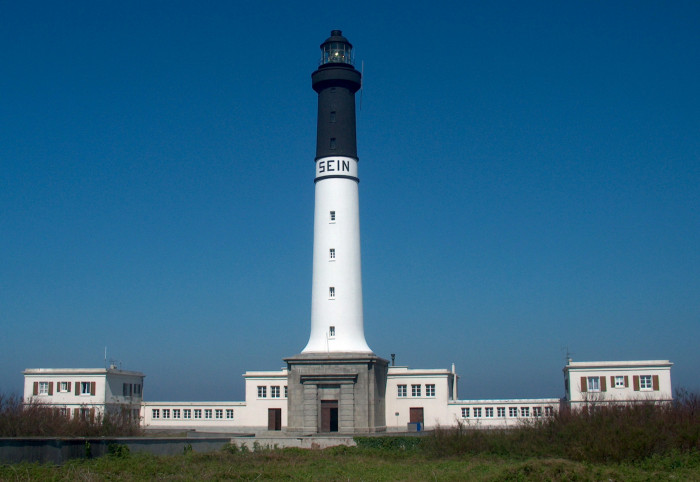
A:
(36, 388)
(584, 384)
(635, 382)
(77, 388)
(603, 387)
(50, 388)
(627, 381)
(655, 382)
(76, 413)
(69, 386)
(612, 381)
(92, 388)
(92, 413)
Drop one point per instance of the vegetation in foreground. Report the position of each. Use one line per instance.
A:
(641, 442)
(354, 463)
(19, 419)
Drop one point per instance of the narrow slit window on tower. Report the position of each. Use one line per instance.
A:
(332, 216)
(331, 332)
(331, 292)
(332, 144)
(331, 254)
(332, 116)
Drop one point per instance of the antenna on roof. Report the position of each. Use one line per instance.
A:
(105, 357)
(568, 358)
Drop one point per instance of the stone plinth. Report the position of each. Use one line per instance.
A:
(356, 381)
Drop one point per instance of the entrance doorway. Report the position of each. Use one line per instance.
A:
(329, 415)
(416, 415)
(274, 419)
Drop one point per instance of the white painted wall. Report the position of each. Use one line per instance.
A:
(344, 273)
(574, 371)
(107, 382)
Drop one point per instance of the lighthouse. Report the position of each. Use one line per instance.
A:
(336, 294)
(336, 384)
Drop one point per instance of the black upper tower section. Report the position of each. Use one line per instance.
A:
(336, 82)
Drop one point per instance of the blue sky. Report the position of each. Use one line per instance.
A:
(530, 183)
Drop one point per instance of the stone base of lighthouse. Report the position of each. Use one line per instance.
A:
(336, 392)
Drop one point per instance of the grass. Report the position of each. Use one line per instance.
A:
(645, 441)
(352, 464)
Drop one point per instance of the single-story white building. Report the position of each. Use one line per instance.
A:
(415, 399)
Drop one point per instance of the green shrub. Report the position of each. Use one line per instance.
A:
(389, 443)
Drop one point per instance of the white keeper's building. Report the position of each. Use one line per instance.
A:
(428, 397)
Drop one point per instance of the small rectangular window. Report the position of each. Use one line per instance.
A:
(331, 331)
(229, 413)
(166, 413)
(332, 216)
(155, 413)
(332, 116)
(645, 382)
(331, 292)
(593, 384)
(402, 390)
(197, 413)
(64, 387)
(43, 388)
(275, 392)
(207, 413)
(513, 412)
(489, 412)
(548, 411)
(286, 392)
(477, 412)
(332, 143)
(430, 390)
(176, 413)
(415, 390)
(525, 411)
(85, 388)
(620, 382)
(262, 392)
(465, 412)
(187, 413)
(537, 411)
(219, 413)
(331, 254)
(501, 412)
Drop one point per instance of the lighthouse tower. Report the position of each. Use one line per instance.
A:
(336, 384)
(336, 293)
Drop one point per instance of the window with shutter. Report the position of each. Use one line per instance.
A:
(36, 388)
(50, 388)
(584, 384)
(603, 387)
(635, 382)
(655, 382)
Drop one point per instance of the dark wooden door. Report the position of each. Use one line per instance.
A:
(416, 415)
(329, 415)
(274, 419)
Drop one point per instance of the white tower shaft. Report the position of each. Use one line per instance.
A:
(337, 323)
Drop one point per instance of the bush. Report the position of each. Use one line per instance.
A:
(601, 433)
(32, 419)
(389, 443)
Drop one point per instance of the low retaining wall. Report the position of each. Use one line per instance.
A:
(299, 442)
(59, 450)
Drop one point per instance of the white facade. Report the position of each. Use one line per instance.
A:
(617, 381)
(85, 392)
(337, 323)
(265, 405)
